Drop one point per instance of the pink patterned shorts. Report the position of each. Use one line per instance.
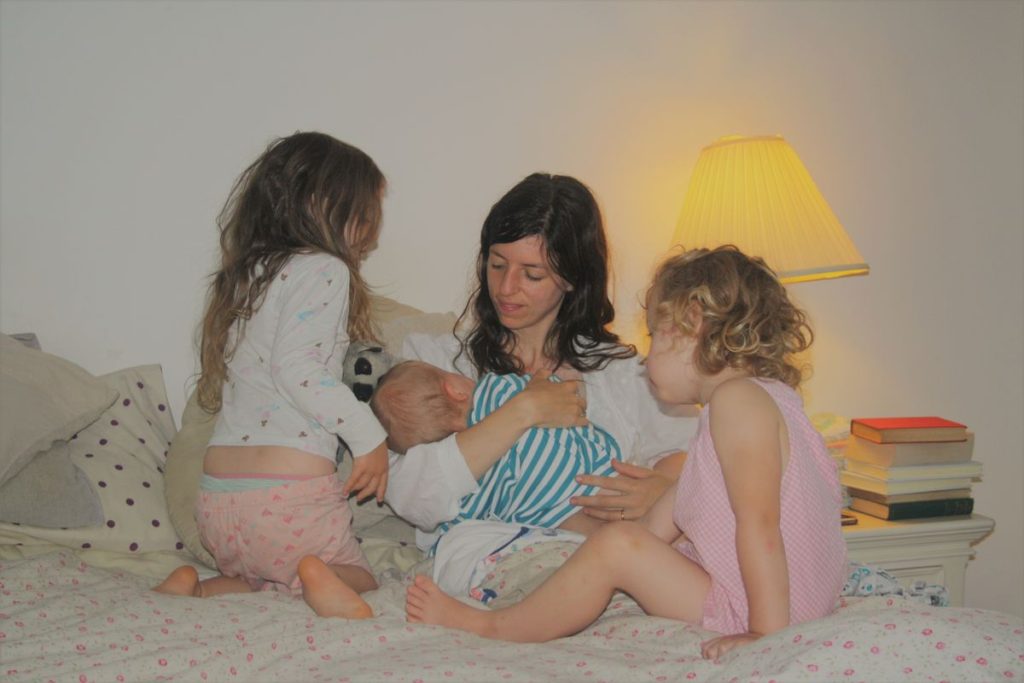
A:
(261, 535)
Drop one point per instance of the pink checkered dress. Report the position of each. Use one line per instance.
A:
(811, 501)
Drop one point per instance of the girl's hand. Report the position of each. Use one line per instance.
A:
(629, 496)
(552, 404)
(369, 475)
(716, 647)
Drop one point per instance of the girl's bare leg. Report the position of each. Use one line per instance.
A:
(622, 555)
(185, 581)
(333, 591)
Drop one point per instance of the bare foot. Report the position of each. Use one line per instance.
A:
(426, 603)
(327, 594)
(182, 581)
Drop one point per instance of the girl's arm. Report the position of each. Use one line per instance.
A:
(746, 428)
(659, 520)
(305, 360)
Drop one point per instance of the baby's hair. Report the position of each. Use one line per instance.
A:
(306, 193)
(412, 405)
(747, 320)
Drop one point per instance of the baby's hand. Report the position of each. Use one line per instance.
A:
(716, 647)
(369, 475)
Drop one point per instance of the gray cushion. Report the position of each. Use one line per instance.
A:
(50, 492)
(43, 399)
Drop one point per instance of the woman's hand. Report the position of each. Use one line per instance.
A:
(553, 404)
(369, 475)
(716, 647)
(628, 496)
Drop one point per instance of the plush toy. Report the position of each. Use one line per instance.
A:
(364, 364)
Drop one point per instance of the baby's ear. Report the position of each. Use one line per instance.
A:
(454, 389)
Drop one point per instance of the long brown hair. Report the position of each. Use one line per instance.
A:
(307, 192)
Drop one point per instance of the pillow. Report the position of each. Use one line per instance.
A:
(181, 476)
(122, 454)
(185, 458)
(50, 492)
(43, 399)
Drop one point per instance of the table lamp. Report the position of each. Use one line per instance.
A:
(755, 193)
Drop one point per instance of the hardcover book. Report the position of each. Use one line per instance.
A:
(916, 472)
(904, 429)
(908, 497)
(910, 453)
(926, 508)
(889, 488)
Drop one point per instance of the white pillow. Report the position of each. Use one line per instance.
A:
(122, 454)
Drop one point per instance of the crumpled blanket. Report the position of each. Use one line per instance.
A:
(505, 577)
(866, 580)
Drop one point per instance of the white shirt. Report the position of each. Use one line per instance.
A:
(283, 385)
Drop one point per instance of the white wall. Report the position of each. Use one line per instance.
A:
(122, 126)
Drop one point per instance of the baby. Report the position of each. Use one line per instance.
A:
(531, 484)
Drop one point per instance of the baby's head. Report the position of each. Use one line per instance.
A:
(736, 308)
(417, 402)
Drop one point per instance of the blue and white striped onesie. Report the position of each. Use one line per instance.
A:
(533, 482)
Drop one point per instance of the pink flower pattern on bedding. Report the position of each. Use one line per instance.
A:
(64, 620)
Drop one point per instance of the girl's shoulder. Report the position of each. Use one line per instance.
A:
(314, 267)
(741, 389)
(315, 262)
(744, 400)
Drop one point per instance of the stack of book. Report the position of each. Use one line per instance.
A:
(910, 467)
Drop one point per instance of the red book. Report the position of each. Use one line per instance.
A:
(907, 429)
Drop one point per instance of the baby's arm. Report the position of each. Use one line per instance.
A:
(746, 430)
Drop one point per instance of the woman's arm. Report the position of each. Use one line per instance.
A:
(541, 404)
(746, 430)
(658, 442)
(427, 483)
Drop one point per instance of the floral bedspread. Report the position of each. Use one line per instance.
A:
(64, 620)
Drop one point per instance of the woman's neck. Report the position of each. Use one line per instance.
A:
(529, 350)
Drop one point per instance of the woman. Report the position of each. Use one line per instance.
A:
(541, 306)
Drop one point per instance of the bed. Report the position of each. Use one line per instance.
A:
(105, 455)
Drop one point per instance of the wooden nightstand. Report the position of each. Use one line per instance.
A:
(935, 549)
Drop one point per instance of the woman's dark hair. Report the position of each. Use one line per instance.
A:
(563, 213)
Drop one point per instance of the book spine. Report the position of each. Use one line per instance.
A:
(925, 508)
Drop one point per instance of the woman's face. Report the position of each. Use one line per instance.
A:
(525, 290)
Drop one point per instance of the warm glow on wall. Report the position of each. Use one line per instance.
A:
(754, 192)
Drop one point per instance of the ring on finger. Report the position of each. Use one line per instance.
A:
(622, 514)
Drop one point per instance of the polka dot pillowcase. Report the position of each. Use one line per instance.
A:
(122, 454)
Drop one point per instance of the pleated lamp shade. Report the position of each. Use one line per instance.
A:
(755, 193)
